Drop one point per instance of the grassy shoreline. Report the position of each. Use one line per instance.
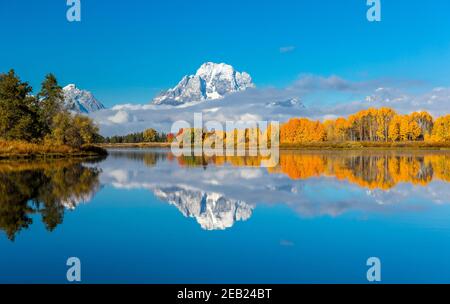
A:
(12, 150)
(367, 146)
(135, 145)
(317, 146)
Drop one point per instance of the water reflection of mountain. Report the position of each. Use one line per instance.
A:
(212, 211)
(45, 188)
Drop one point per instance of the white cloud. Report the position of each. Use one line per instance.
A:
(330, 117)
(120, 117)
(287, 49)
(250, 117)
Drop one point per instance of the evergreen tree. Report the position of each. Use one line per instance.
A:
(51, 101)
(19, 110)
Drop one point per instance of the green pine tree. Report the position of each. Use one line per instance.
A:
(19, 111)
(51, 102)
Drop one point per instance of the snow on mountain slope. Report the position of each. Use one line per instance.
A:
(212, 81)
(81, 101)
(213, 211)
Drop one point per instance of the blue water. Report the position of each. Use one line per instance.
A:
(150, 224)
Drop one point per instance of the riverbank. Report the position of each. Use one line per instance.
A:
(317, 146)
(135, 145)
(24, 150)
(413, 145)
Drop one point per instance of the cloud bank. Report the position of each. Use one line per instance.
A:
(310, 96)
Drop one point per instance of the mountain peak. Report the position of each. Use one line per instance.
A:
(211, 81)
(209, 68)
(70, 86)
(80, 101)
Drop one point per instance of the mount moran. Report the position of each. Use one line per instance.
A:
(212, 81)
(217, 90)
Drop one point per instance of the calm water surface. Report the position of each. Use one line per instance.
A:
(146, 216)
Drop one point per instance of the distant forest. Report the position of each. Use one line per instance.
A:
(149, 135)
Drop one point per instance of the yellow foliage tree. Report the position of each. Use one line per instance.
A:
(302, 131)
(441, 130)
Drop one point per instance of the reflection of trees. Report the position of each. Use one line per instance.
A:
(440, 165)
(373, 171)
(369, 169)
(382, 170)
(46, 188)
(149, 159)
(204, 161)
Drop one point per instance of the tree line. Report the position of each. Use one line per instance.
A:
(383, 125)
(149, 135)
(371, 125)
(43, 118)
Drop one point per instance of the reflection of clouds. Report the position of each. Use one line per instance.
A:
(287, 243)
(120, 175)
(72, 202)
(437, 192)
(250, 174)
(311, 197)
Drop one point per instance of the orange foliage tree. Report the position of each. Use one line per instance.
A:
(441, 130)
(372, 125)
(302, 130)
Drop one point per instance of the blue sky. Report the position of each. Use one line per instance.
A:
(127, 51)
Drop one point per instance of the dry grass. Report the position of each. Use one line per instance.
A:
(21, 149)
(319, 145)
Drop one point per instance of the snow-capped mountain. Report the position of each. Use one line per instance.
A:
(212, 81)
(213, 211)
(81, 101)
